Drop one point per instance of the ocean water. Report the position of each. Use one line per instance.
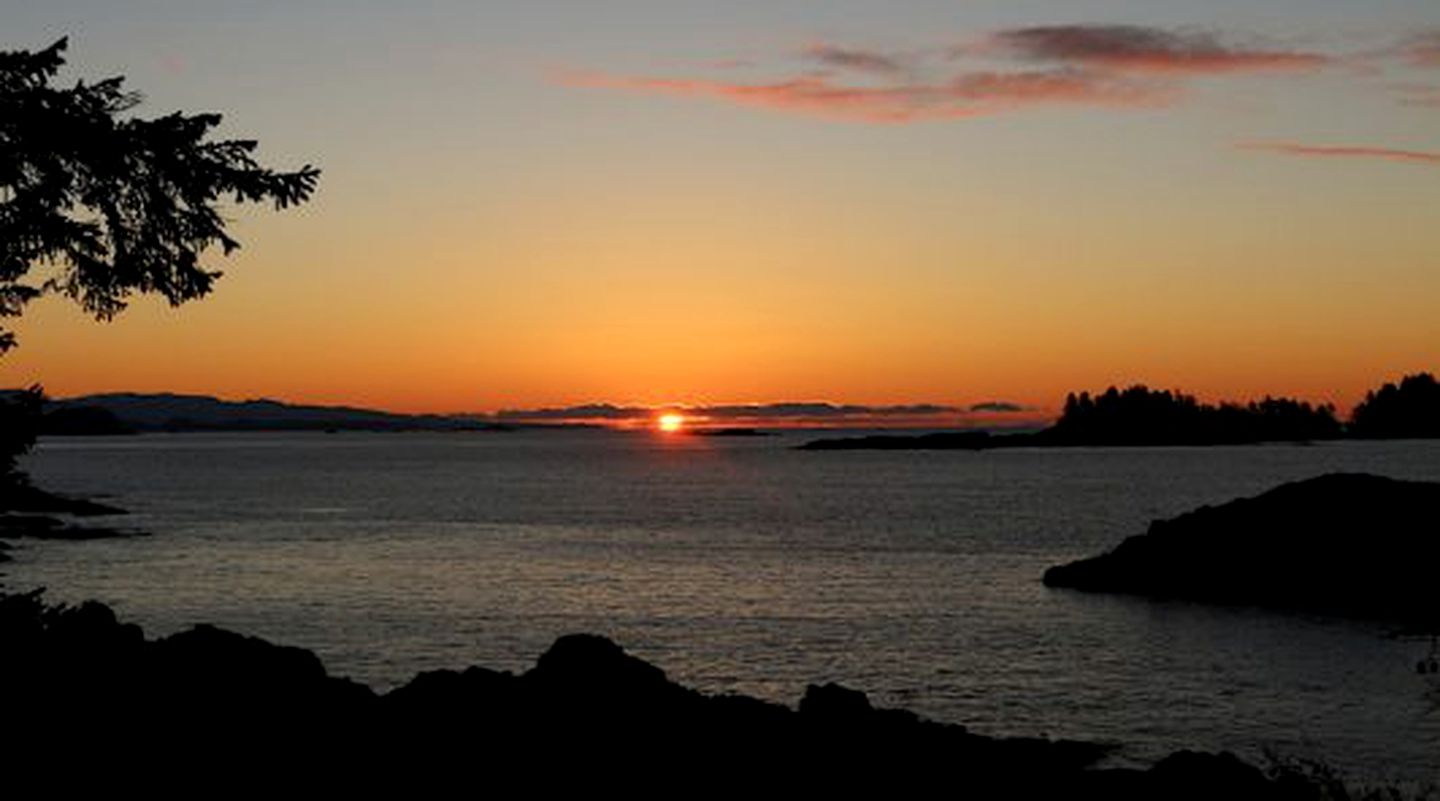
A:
(744, 565)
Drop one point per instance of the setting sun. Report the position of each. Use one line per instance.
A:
(670, 423)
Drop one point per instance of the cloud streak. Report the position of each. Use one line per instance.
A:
(1138, 49)
(966, 95)
(1423, 157)
(1423, 50)
(1098, 66)
(855, 59)
(1418, 95)
(806, 414)
(729, 412)
(999, 407)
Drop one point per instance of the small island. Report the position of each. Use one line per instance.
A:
(1347, 544)
(1139, 416)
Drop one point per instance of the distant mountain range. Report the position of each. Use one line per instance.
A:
(129, 413)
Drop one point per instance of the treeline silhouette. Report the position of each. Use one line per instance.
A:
(1411, 409)
(19, 423)
(1142, 416)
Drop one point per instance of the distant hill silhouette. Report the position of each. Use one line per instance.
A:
(121, 412)
(1349, 544)
(78, 420)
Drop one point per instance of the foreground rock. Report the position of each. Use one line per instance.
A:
(1349, 544)
(85, 693)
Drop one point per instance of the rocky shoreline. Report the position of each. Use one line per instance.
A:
(27, 512)
(207, 698)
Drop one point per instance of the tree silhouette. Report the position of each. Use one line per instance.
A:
(19, 422)
(1139, 415)
(113, 204)
(1411, 409)
(102, 205)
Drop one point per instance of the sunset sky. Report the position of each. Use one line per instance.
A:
(542, 204)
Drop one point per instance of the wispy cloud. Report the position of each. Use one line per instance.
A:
(592, 412)
(1134, 48)
(1422, 50)
(791, 414)
(1346, 151)
(999, 407)
(966, 95)
(856, 59)
(1111, 66)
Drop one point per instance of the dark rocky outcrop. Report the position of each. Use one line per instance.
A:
(1350, 544)
(44, 527)
(86, 695)
(22, 497)
(27, 512)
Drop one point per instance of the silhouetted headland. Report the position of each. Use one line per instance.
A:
(27, 499)
(82, 686)
(28, 512)
(1349, 544)
(733, 432)
(1140, 416)
(1137, 416)
(45, 527)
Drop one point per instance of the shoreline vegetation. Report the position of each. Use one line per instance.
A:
(1140, 416)
(1135, 416)
(208, 697)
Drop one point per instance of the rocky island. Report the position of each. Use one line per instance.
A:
(1348, 544)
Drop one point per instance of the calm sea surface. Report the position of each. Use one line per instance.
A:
(742, 565)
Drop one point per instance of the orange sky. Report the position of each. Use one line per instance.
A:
(793, 207)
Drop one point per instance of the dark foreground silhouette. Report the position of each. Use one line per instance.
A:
(82, 689)
(1349, 544)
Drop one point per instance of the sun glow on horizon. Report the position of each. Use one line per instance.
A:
(670, 423)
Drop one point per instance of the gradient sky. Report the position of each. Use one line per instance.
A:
(553, 203)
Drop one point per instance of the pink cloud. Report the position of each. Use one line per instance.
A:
(1423, 50)
(1134, 48)
(1114, 66)
(967, 95)
(1347, 151)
